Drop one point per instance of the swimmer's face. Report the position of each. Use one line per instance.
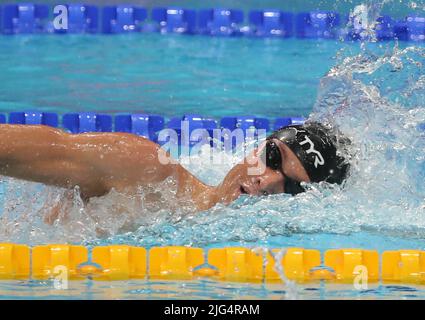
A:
(246, 178)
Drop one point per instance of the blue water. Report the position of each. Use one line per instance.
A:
(201, 290)
(375, 94)
(169, 75)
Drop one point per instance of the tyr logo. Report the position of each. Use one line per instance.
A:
(318, 160)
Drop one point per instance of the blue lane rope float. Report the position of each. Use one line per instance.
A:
(81, 19)
(32, 118)
(24, 18)
(122, 19)
(149, 125)
(27, 18)
(146, 125)
(173, 20)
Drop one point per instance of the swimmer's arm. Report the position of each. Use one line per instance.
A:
(96, 162)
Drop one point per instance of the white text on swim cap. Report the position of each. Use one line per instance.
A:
(318, 160)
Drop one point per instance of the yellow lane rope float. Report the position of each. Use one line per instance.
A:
(122, 262)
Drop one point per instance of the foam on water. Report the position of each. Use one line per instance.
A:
(378, 102)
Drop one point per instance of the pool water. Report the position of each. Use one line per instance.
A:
(202, 289)
(374, 92)
(170, 75)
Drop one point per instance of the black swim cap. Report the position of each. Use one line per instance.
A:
(315, 147)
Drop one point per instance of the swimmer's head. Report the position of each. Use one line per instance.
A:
(292, 155)
(316, 148)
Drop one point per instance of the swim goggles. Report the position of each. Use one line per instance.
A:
(273, 159)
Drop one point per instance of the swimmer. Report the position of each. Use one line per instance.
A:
(100, 162)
